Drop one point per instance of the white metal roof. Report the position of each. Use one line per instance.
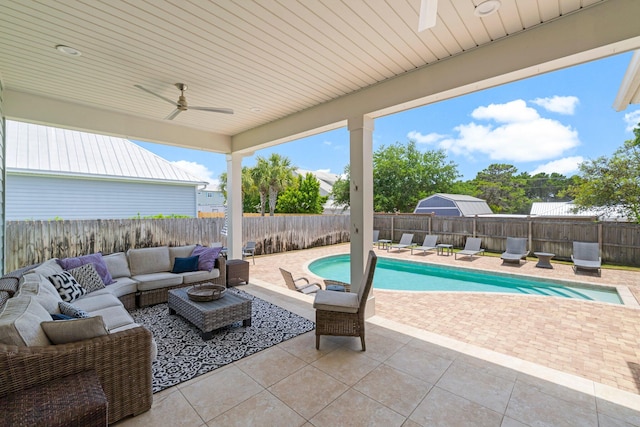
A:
(37, 149)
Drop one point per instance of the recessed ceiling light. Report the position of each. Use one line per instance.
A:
(68, 50)
(487, 7)
(256, 109)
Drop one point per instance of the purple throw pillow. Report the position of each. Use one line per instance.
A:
(207, 256)
(95, 259)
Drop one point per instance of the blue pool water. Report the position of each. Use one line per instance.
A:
(411, 276)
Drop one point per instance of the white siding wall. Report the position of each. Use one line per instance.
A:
(45, 198)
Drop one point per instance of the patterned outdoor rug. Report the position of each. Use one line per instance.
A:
(183, 355)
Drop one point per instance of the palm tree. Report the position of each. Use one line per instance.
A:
(248, 188)
(260, 174)
(280, 176)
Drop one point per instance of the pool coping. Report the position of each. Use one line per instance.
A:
(625, 294)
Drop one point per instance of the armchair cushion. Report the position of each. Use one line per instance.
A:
(344, 302)
(63, 332)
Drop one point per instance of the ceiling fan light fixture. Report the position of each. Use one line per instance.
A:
(428, 14)
(487, 8)
(68, 50)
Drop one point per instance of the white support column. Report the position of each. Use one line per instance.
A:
(361, 197)
(234, 205)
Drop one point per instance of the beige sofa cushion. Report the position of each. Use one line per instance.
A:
(117, 264)
(179, 252)
(122, 286)
(149, 260)
(94, 302)
(114, 317)
(47, 268)
(20, 322)
(199, 276)
(147, 282)
(38, 286)
(66, 331)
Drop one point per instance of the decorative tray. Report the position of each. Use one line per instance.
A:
(206, 292)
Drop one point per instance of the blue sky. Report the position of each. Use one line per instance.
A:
(549, 123)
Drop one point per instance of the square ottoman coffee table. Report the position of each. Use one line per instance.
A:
(210, 315)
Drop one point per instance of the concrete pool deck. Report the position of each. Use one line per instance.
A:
(597, 341)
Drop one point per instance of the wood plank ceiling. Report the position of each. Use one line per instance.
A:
(265, 59)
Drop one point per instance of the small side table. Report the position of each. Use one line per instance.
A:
(383, 243)
(237, 272)
(544, 259)
(443, 249)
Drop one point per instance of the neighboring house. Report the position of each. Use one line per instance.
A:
(210, 199)
(560, 209)
(57, 173)
(327, 180)
(441, 204)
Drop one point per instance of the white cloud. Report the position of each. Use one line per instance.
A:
(511, 112)
(558, 104)
(632, 119)
(327, 142)
(424, 139)
(521, 136)
(198, 170)
(566, 166)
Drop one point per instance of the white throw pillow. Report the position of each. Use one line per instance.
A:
(67, 286)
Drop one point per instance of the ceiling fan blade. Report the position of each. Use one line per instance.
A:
(173, 114)
(155, 94)
(428, 14)
(215, 110)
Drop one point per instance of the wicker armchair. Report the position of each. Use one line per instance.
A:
(122, 361)
(342, 313)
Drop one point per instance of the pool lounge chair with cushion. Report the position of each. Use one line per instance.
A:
(301, 284)
(586, 256)
(429, 244)
(405, 242)
(516, 250)
(471, 248)
(342, 313)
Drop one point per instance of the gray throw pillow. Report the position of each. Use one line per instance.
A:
(88, 277)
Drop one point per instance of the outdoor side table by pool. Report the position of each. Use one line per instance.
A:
(210, 315)
(544, 259)
(383, 243)
(443, 249)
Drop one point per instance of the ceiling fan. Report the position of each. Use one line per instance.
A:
(181, 104)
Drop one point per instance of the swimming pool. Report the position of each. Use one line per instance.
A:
(395, 274)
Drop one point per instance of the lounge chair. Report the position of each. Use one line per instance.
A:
(301, 284)
(429, 244)
(586, 256)
(471, 248)
(405, 242)
(376, 235)
(342, 313)
(250, 250)
(516, 250)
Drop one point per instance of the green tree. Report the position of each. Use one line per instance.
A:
(260, 175)
(502, 189)
(402, 175)
(280, 176)
(340, 191)
(543, 187)
(250, 196)
(302, 197)
(612, 185)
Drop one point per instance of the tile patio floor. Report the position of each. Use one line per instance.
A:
(432, 359)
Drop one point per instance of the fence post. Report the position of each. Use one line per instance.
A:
(600, 236)
(530, 234)
(391, 228)
(475, 218)
(430, 224)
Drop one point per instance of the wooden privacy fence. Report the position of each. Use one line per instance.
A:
(29, 242)
(619, 241)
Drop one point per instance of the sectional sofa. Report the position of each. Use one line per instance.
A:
(36, 350)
